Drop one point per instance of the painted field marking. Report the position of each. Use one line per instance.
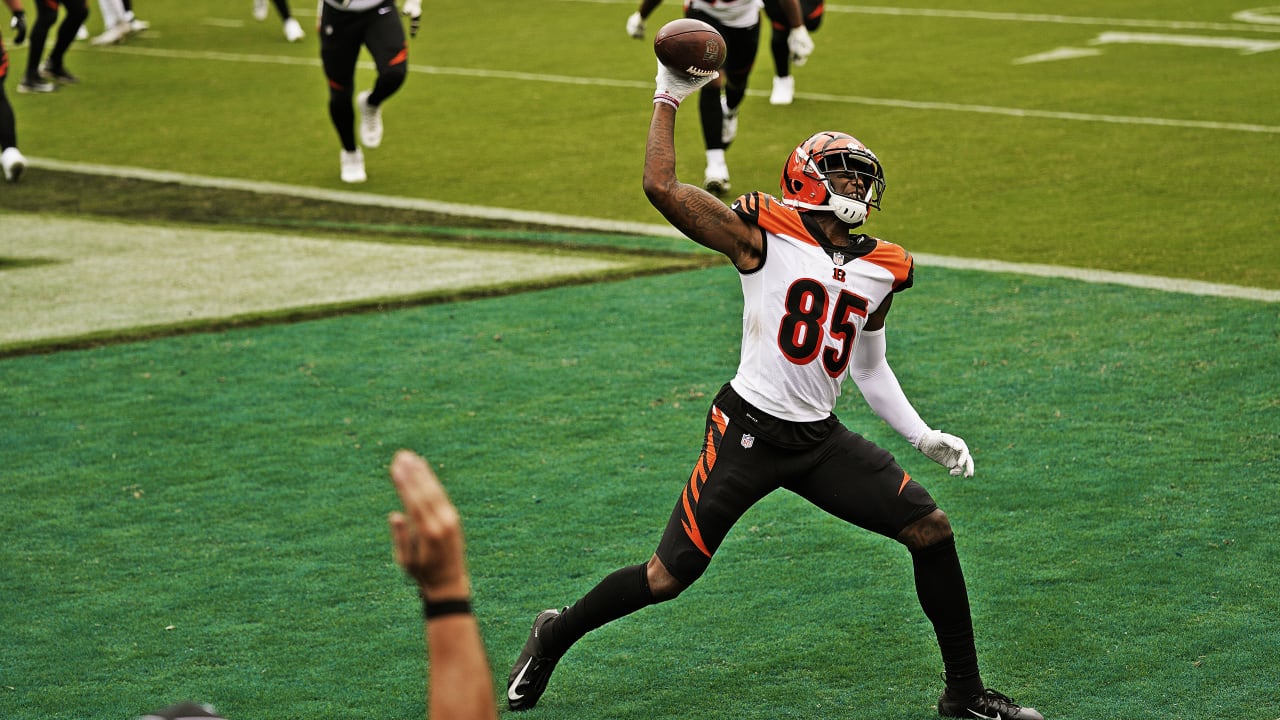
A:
(821, 97)
(1062, 53)
(1244, 26)
(1245, 46)
(1263, 20)
(97, 276)
(1177, 285)
(1268, 16)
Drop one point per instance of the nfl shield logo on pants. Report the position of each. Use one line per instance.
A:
(748, 440)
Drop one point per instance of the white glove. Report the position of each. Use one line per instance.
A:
(635, 25)
(674, 85)
(800, 45)
(948, 451)
(413, 8)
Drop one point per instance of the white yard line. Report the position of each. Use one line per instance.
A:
(821, 97)
(1191, 287)
(1266, 18)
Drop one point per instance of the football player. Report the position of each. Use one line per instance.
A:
(816, 296)
(11, 160)
(345, 26)
(292, 30)
(41, 77)
(118, 22)
(738, 21)
(784, 83)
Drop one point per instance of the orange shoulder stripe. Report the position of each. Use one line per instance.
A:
(893, 258)
(779, 219)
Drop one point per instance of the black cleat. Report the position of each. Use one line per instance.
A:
(989, 705)
(36, 85)
(528, 679)
(60, 75)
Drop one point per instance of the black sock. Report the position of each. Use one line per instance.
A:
(940, 587)
(621, 593)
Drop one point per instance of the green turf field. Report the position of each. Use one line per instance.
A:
(195, 509)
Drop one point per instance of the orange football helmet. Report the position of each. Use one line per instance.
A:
(805, 185)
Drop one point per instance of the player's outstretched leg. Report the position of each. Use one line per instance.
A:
(988, 704)
(533, 668)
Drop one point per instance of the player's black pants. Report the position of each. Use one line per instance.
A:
(46, 17)
(342, 35)
(747, 454)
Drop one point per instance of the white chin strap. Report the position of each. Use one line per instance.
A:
(849, 211)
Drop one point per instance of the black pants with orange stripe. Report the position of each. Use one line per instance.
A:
(343, 33)
(810, 10)
(747, 454)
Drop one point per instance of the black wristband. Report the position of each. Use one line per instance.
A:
(432, 610)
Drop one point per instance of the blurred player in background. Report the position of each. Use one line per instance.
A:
(816, 294)
(784, 83)
(41, 75)
(739, 22)
(292, 30)
(118, 22)
(11, 160)
(345, 27)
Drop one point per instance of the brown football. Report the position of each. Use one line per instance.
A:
(690, 46)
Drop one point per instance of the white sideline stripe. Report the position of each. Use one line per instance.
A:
(1047, 114)
(1055, 19)
(605, 82)
(358, 198)
(1151, 282)
(1254, 15)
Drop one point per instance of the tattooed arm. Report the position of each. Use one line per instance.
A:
(693, 211)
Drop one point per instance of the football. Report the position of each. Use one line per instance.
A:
(690, 46)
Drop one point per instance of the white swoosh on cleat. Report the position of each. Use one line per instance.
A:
(977, 714)
(511, 691)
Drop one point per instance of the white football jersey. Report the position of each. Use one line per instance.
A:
(354, 5)
(803, 310)
(730, 13)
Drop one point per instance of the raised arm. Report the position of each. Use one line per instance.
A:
(428, 543)
(701, 216)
